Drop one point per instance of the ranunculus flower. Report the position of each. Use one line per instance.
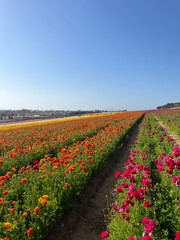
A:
(30, 232)
(36, 210)
(124, 185)
(117, 174)
(145, 220)
(1, 201)
(126, 209)
(119, 190)
(12, 210)
(147, 204)
(7, 225)
(104, 234)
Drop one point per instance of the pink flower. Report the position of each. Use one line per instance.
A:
(146, 182)
(119, 190)
(104, 234)
(131, 187)
(145, 220)
(132, 238)
(124, 185)
(160, 169)
(147, 238)
(117, 174)
(123, 215)
(115, 207)
(120, 210)
(176, 181)
(177, 236)
(126, 209)
(149, 225)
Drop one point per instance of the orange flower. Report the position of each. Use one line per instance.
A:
(14, 202)
(25, 214)
(30, 232)
(24, 180)
(44, 202)
(5, 193)
(7, 225)
(1, 201)
(67, 185)
(45, 196)
(40, 199)
(36, 210)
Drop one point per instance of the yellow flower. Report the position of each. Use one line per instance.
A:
(7, 225)
(46, 196)
(40, 199)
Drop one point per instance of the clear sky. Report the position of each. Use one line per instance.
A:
(89, 54)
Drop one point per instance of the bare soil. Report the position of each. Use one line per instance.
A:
(169, 132)
(86, 221)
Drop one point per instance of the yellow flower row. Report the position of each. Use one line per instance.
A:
(28, 124)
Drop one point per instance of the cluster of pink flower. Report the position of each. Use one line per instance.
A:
(149, 225)
(171, 163)
(176, 151)
(144, 238)
(164, 162)
(177, 236)
(149, 228)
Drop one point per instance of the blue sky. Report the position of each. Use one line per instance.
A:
(89, 54)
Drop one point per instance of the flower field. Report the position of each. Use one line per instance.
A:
(171, 118)
(45, 166)
(22, 144)
(147, 195)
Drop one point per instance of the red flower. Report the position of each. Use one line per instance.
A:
(147, 204)
(12, 210)
(119, 190)
(67, 185)
(30, 232)
(5, 193)
(36, 210)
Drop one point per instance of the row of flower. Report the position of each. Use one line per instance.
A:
(34, 198)
(171, 118)
(147, 196)
(23, 144)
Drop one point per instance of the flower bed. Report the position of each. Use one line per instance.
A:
(22, 145)
(146, 206)
(35, 198)
(171, 118)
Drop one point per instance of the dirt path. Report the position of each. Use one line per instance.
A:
(86, 222)
(169, 132)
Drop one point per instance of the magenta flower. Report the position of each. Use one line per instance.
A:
(117, 174)
(119, 190)
(104, 234)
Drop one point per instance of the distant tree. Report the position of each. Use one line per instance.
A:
(169, 105)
